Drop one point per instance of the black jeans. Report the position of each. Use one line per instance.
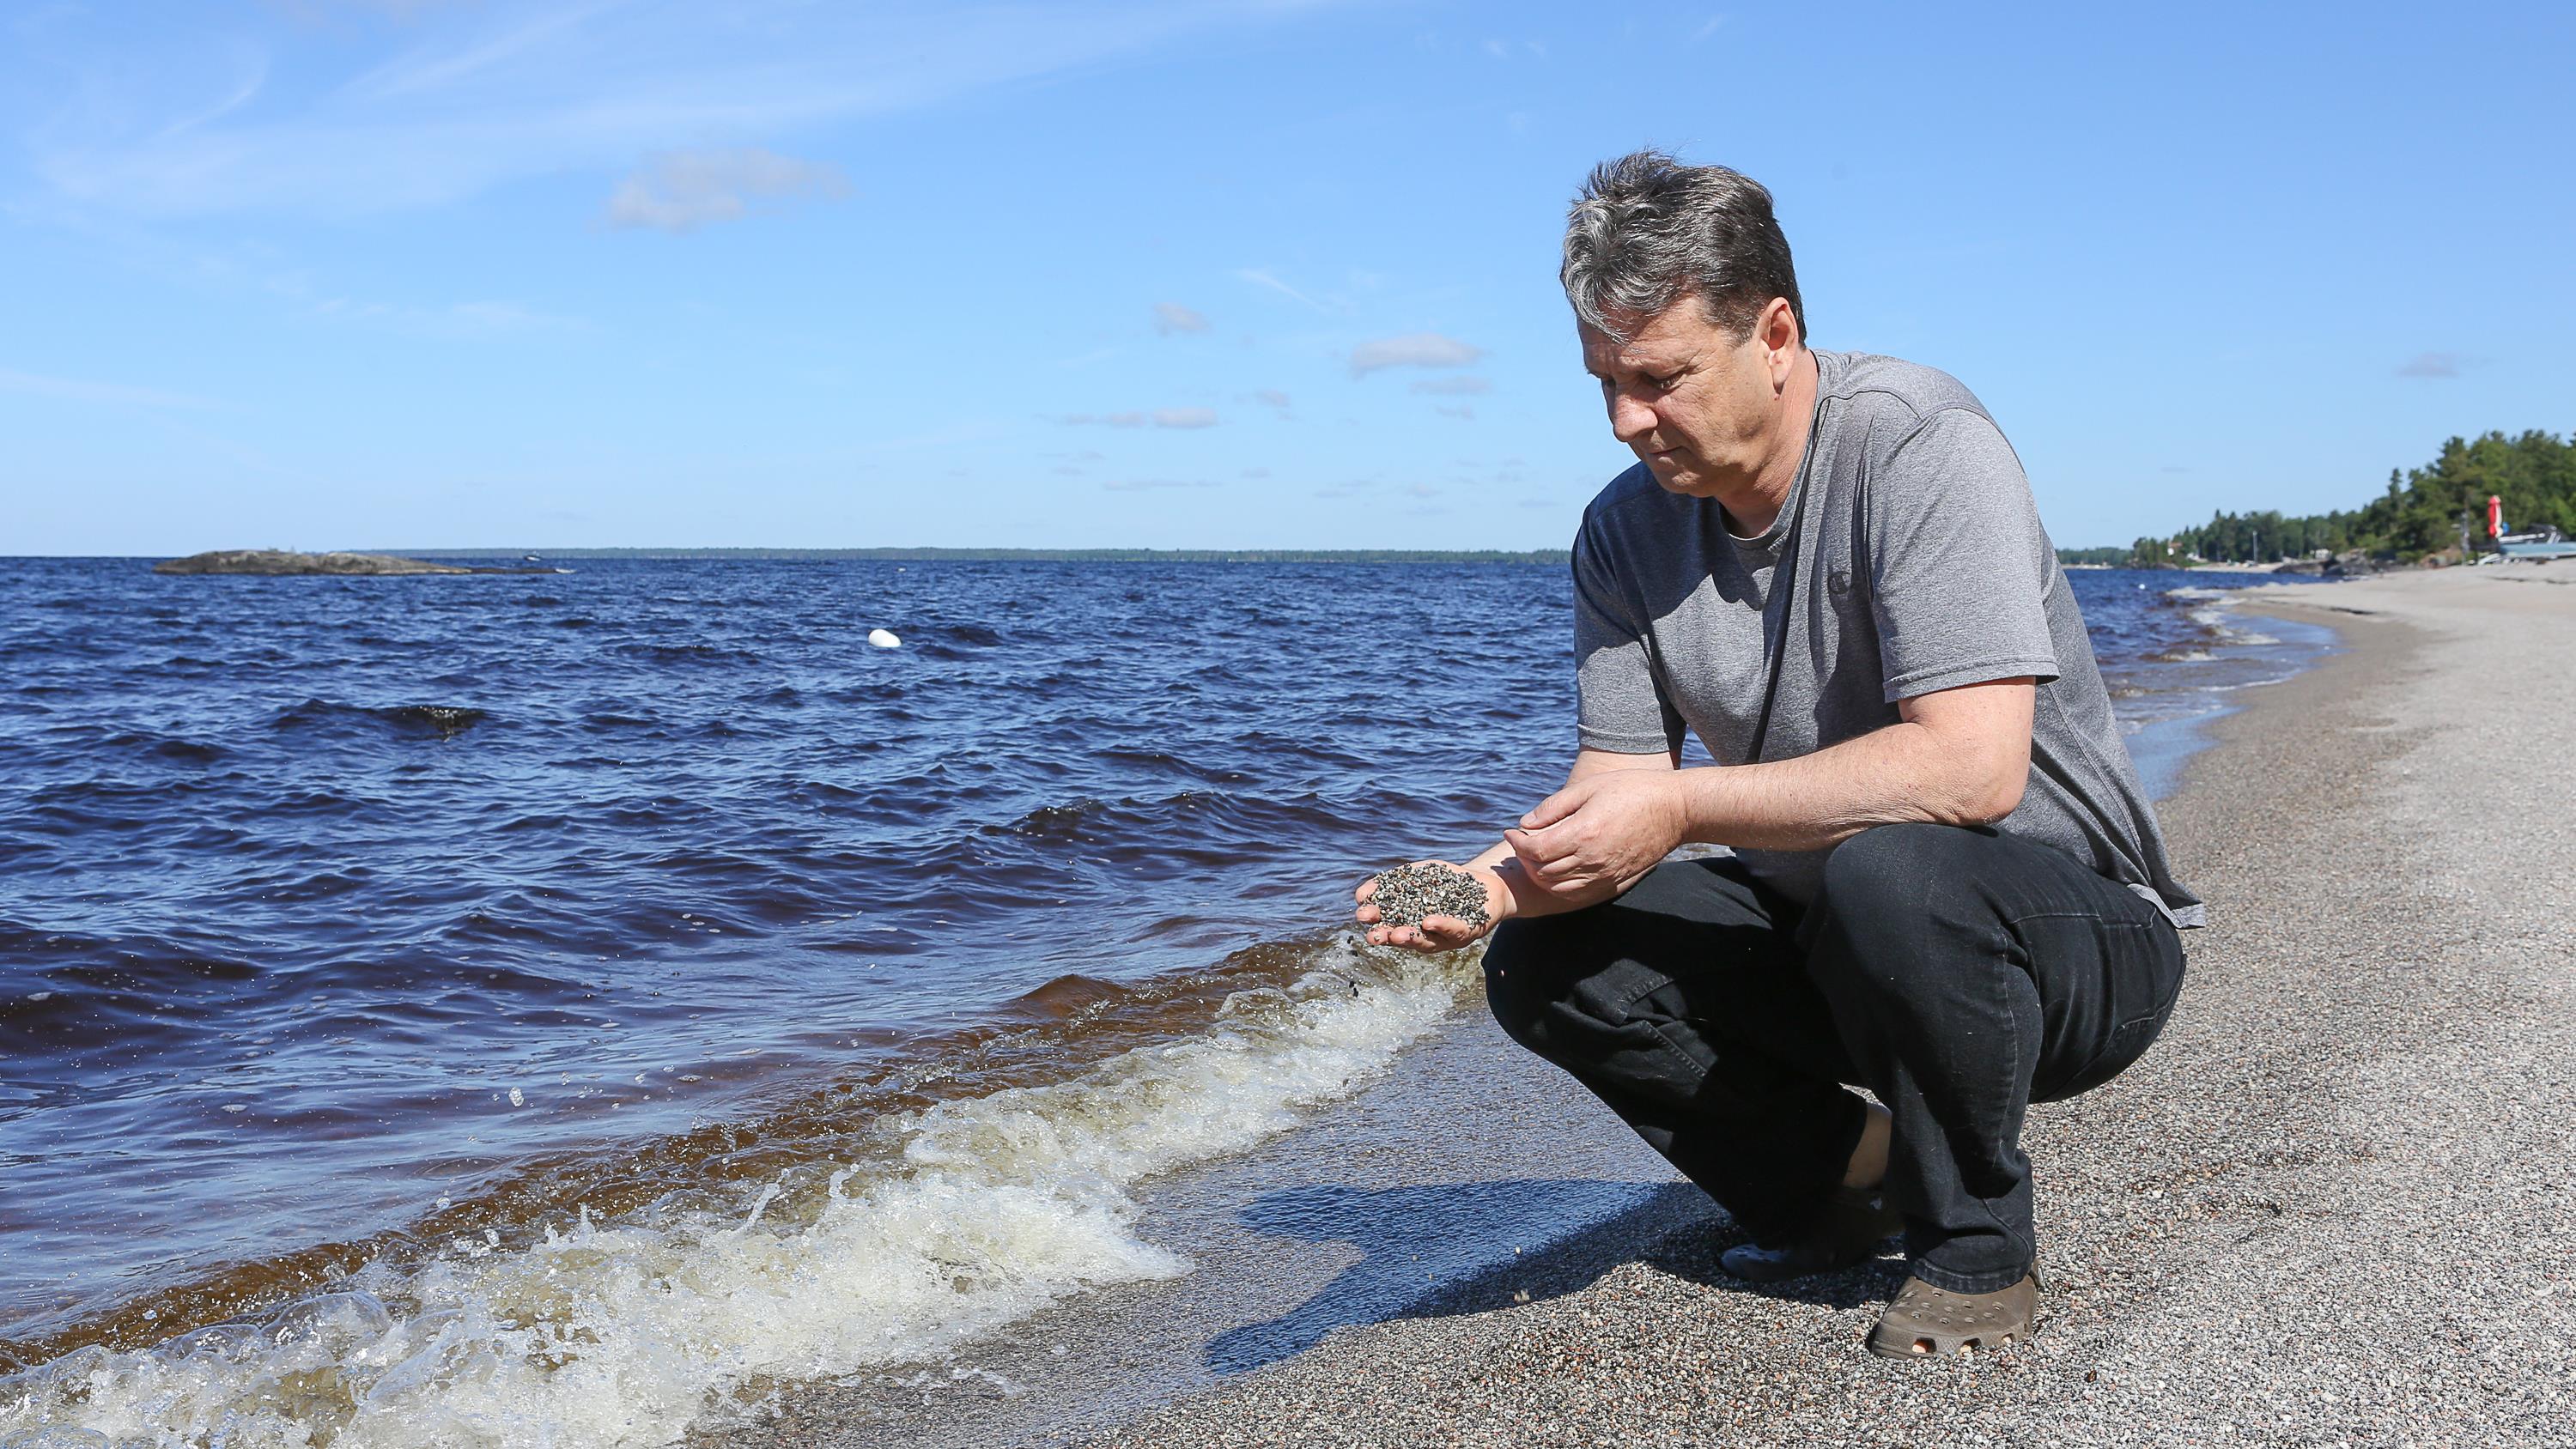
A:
(1958, 974)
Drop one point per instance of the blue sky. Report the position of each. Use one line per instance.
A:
(1227, 274)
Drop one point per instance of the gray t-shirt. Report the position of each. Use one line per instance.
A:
(1915, 562)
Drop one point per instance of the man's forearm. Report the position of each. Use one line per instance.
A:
(1898, 773)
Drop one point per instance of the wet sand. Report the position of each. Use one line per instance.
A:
(2334, 1205)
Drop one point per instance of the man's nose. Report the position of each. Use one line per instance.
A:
(1630, 418)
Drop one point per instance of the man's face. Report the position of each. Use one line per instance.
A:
(1693, 402)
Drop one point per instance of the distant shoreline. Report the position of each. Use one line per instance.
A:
(1557, 557)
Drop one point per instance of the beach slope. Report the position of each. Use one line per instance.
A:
(2336, 1204)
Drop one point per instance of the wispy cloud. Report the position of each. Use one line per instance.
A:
(1271, 397)
(479, 97)
(1414, 349)
(1171, 317)
(680, 191)
(1159, 417)
(69, 389)
(454, 322)
(1453, 386)
(1138, 485)
(1259, 278)
(1707, 28)
(1462, 412)
(2433, 364)
(318, 11)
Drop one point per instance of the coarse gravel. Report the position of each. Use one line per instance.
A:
(1408, 895)
(2335, 1205)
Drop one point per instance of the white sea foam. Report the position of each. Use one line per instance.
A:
(2215, 617)
(621, 1333)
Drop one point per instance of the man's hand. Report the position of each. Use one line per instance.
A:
(1598, 835)
(1436, 933)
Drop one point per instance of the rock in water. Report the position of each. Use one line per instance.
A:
(271, 562)
(1408, 894)
(884, 639)
(277, 561)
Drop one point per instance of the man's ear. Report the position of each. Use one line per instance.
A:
(1778, 332)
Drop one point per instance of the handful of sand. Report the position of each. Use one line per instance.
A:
(1409, 893)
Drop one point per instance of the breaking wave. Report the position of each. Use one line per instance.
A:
(584, 1331)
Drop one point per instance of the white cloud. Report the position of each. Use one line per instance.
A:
(455, 322)
(680, 191)
(478, 96)
(1260, 278)
(1453, 386)
(2433, 364)
(1159, 417)
(1414, 349)
(1171, 317)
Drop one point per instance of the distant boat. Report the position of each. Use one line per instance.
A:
(2545, 542)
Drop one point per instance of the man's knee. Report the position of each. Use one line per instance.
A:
(1900, 870)
(1888, 893)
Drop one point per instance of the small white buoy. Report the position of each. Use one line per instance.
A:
(884, 639)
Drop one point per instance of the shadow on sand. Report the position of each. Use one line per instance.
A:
(1434, 1251)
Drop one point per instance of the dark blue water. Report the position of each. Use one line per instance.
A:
(328, 905)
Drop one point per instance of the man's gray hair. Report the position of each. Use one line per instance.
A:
(1647, 229)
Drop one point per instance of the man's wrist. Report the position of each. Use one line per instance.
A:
(1694, 801)
(1519, 895)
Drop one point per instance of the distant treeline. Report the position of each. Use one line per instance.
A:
(1555, 556)
(2420, 514)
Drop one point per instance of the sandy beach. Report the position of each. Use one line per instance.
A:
(2331, 1207)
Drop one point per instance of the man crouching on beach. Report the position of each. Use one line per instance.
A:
(1946, 886)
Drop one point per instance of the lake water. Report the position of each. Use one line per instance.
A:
(525, 1009)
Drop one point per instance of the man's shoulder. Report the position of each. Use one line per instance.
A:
(1626, 502)
(1889, 396)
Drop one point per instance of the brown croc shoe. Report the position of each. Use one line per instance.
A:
(1925, 1321)
(1854, 1222)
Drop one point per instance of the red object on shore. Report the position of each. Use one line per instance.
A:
(2495, 516)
